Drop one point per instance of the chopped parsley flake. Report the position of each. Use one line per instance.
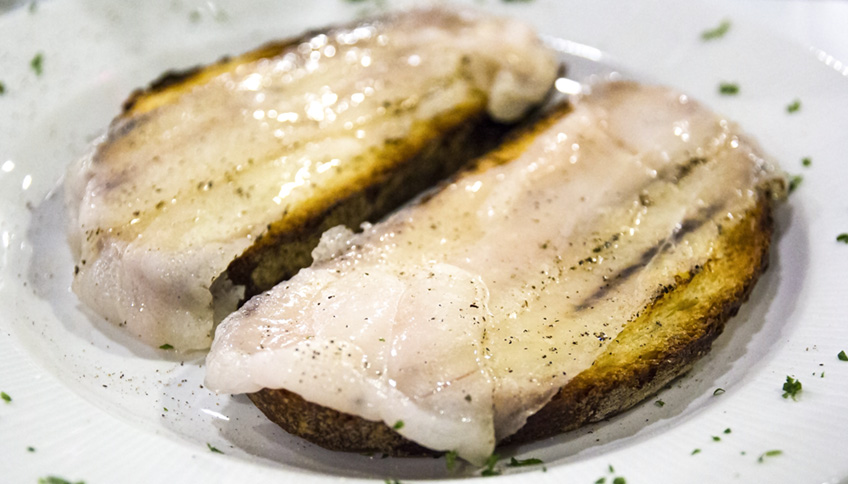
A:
(391, 481)
(716, 33)
(728, 88)
(727, 430)
(166, 346)
(213, 448)
(611, 469)
(769, 453)
(450, 460)
(659, 403)
(716, 438)
(842, 356)
(844, 239)
(718, 391)
(490, 466)
(513, 462)
(806, 161)
(5, 396)
(793, 106)
(2, 88)
(601, 480)
(37, 64)
(794, 181)
(398, 425)
(696, 451)
(56, 480)
(619, 480)
(382, 339)
(791, 388)
(30, 449)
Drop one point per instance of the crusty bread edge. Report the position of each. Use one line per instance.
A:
(615, 383)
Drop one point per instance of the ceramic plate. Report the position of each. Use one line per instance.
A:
(88, 403)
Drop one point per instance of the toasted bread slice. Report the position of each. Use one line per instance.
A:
(218, 182)
(674, 330)
(569, 275)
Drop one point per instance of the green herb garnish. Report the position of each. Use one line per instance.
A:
(37, 64)
(794, 181)
(769, 453)
(611, 469)
(166, 346)
(728, 88)
(806, 161)
(56, 480)
(696, 451)
(601, 480)
(791, 388)
(727, 430)
(391, 481)
(717, 32)
(513, 462)
(5, 396)
(844, 239)
(450, 460)
(842, 356)
(398, 425)
(659, 403)
(490, 466)
(2, 88)
(793, 106)
(718, 391)
(30, 449)
(213, 448)
(619, 480)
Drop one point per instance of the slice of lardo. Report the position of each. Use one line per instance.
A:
(570, 274)
(223, 178)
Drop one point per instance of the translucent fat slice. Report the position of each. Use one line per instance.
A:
(494, 292)
(197, 174)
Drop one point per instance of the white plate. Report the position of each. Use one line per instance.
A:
(91, 402)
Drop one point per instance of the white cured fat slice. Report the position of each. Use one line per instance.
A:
(172, 196)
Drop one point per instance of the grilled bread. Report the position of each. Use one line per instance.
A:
(216, 183)
(569, 275)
